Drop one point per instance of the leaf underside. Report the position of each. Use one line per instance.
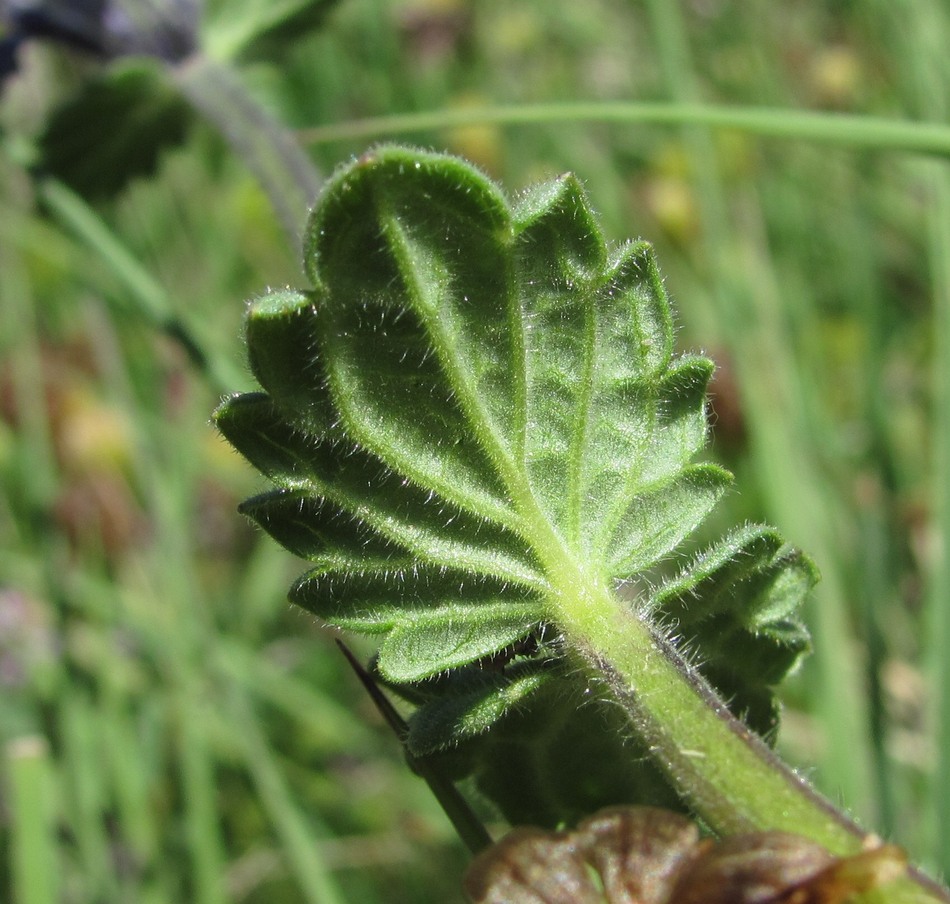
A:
(470, 394)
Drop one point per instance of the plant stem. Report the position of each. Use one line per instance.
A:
(831, 128)
(728, 775)
(32, 821)
(466, 824)
(268, 148)
(147, 298)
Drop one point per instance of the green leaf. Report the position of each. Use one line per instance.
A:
(113, 130)
(461, 633)
(563, 753)
(259, 30)
(479, 699)
(475, 414)
(323, 481)
(736, 603)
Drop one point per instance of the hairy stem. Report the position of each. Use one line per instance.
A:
(731, 779)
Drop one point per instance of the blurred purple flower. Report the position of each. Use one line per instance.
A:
(25, 637)
(166, 29)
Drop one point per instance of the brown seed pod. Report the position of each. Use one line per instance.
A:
(782, 868)
(644, 855)
(531, 866)
(638, 851)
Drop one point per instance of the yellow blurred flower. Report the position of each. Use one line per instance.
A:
(835, 76)
(480, 143)
(92, 436)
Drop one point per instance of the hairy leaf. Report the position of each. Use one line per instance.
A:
(740, 597)
(475, 410)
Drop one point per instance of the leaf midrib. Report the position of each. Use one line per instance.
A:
(560, 566)
(581, 439)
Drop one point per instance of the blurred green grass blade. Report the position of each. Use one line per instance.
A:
(329, 724)
(199, 787)
(184, 632)
(300, 844)
(36, 472)
(799, 499)
(74, 213)
(242, 25)
(939, 596)
(874, 567)
(103, 768)
(789, 125)
(930, 31)
(85, 787)
(130, 783)
(35, 855)
(146, 297)
(756, 337)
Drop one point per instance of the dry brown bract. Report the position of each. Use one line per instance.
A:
(643, 855)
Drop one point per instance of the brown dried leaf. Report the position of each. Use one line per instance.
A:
(782, 868)
(849, 876)
(752, 869)
(638, 851)
(644, 855)
(530, 866)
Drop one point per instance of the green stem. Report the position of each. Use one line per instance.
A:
(466, 824)
(727, 774)
(831, 128)
(731, 779)
(146, 297)
(269, 150)
(32, 821)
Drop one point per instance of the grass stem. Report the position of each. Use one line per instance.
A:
(844, 130)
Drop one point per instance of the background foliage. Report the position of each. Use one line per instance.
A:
(171, 728)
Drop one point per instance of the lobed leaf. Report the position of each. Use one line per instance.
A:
(352, 485)
(472, 395)
(739, 597)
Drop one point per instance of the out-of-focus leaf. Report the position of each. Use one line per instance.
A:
(114, 130)
(250, 28)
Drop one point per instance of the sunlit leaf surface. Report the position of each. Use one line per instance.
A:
(472, 394)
